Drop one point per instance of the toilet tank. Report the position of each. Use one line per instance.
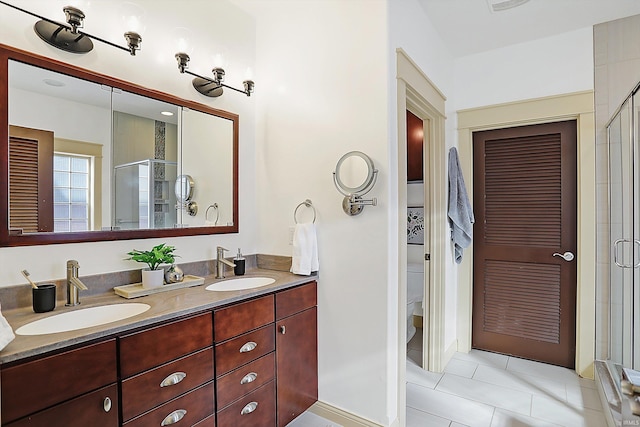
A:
(415, 280)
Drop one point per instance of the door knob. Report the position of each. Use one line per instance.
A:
(567, 256)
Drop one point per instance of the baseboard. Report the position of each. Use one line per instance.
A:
(449, 352)
(339, 416)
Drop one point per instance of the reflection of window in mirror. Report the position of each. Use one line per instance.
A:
(77, 185)
(71, 175)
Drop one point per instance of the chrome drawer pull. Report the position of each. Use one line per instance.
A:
(173, 379)
(249, 408)
(248, 347)
(173, 417)
(283, 329)
(249, 378)
(106, 404)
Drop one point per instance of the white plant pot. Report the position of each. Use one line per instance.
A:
(152, 278)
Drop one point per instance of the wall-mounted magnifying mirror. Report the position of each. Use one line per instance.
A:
(184, 193)
(355, 176)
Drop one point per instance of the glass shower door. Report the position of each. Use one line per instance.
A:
(624, 216)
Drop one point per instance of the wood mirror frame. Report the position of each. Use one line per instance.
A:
(9, 239)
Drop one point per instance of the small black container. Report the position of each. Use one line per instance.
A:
(44, 298)
(238, 270)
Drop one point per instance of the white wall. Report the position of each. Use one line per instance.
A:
(544, 67)
(411, 30)
(224, 28)
(324, 71)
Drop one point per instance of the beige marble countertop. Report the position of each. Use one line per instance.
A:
(165, 306)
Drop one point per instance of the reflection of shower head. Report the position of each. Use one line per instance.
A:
(206, 214)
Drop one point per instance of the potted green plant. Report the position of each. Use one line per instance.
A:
(161, 254)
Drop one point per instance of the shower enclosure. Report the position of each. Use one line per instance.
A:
(144, 195)
(624, 219)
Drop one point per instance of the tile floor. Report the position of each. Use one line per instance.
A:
(483, 389)
(493, 390)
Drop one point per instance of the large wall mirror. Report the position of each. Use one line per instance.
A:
(85, 157)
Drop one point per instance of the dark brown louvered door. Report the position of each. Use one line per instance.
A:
(30, 180)
(525, 205)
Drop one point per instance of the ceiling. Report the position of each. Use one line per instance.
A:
(468, 26)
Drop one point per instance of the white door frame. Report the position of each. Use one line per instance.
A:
(416, 92)
(575, 106)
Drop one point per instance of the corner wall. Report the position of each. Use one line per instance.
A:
(324, 92)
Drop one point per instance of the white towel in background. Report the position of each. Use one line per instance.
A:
(460, 211)
(6, 333)
(305, 249)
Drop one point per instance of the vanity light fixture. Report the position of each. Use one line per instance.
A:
(69, 38)
(208, 86)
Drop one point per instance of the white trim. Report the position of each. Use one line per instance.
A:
(339, 416)
(415, 90)
(578, 106)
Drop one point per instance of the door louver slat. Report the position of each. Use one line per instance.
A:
(525, 305)
(516, 214)
(23, 185)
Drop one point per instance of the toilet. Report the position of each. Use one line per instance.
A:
(415, 294)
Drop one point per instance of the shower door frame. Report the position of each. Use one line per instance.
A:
(623, 345)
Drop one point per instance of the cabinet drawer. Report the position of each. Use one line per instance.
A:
(236, 352)
(87, 410)
(295, 300)
(245, 379)
(153, 347)
(187, 410)
(144, 391)
(257, 409)
(240, 318)
(32, 386)
(207, 422)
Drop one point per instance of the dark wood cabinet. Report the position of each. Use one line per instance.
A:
(31, 387)
(152, 347)
(98, 408)
(256, 409)
(142, 392)
(160, 364)
(296, 352)
(252, 363)
(187, 410)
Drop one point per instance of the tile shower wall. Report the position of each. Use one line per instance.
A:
(617, 71)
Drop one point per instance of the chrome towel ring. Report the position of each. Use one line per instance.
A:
(308, 204)
(206, 214)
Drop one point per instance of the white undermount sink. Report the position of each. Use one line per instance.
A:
(83, 318)
(240, 284)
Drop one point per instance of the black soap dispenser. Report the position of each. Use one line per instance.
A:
(238, 270)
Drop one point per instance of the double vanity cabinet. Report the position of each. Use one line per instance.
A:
(250, 363)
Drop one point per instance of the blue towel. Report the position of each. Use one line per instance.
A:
(460, 211)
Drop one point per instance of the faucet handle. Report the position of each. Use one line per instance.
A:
(220, 248)
(73, 263)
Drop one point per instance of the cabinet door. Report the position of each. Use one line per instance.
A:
(296, 364)
(99, 408)
(32, 386)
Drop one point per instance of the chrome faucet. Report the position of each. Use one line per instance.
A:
(73, 283)
(220, 261)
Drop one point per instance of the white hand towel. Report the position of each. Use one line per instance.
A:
(305, 249)
(6, 333)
